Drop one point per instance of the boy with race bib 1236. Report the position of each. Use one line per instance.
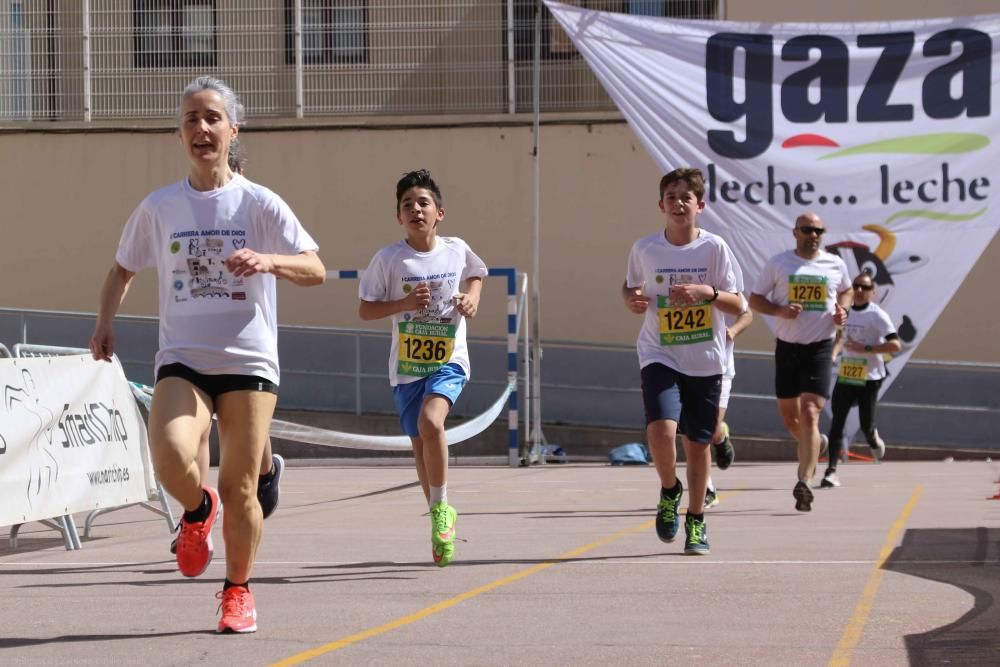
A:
(428, 285)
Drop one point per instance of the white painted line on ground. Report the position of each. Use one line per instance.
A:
(583, 561)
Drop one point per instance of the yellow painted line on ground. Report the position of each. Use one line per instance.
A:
(852, 633)
(462, 597)
(451, 602)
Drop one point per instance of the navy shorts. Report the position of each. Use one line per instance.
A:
(803, 368)
(447, 381)
(215, 385)
(691, 401)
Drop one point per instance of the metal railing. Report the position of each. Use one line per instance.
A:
(129, 59)
(948, 403)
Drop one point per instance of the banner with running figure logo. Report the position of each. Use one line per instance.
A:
(72, 439)
(883, 129)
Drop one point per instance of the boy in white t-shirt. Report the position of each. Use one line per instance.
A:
(682, 280)
(417, 283)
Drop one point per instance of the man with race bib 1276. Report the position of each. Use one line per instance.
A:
(807, 291)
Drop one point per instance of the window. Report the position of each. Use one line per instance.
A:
(556, 44)
(333, 31)
(175, 33)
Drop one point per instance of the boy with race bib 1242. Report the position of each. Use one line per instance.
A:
(428, 285)
(682, 279)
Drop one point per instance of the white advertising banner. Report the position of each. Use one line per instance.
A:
(72, 439)
(883, 129)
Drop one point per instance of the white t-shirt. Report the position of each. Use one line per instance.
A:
(728, 321)
(690, 340)
(869, 326)
(815, 283)
(435, 335)
(210, 320)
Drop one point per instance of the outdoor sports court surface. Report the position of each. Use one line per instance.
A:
(557, 565)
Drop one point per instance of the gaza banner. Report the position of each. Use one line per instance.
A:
(883, 129)
(72, 439)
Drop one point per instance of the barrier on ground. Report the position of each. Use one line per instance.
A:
(74, 439)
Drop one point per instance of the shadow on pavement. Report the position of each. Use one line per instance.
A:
(968, 558)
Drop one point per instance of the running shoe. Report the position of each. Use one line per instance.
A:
(267, 492)
(443, 518)
(830, 480)
(724, 452)
(239, 613)
(803, 497)
(668, 521)
(824, 444)
(878, 450)
(711, 499)
(194, 543)
(696, 542)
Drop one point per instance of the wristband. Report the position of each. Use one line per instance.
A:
(868, 348)
(715, 294)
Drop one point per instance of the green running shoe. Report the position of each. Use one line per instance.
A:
(725, 454)
(696, 543)
(443, 518)
(668, 521)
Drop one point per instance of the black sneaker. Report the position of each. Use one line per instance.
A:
(711, 499)
(724, 452)
(803, 497)
(267, 492)
(668, 521)
(696, 542)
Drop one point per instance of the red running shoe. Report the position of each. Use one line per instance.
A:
(239, 613)
(194, 543)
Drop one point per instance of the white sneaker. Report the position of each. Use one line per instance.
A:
(830, 480)
(878, 451)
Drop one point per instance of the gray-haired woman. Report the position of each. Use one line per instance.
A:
(217, 242)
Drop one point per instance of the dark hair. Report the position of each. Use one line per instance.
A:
(421, 178)
(237, 158)
(693, 177)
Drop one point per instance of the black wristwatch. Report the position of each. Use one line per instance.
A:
(868, 348)
(715, 294)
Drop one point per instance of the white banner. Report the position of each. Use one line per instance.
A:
(883, 129)
(72, 439)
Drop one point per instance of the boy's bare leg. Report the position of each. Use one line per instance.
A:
(662, 438)
(435, 446)
(418, 459)
(699, 466)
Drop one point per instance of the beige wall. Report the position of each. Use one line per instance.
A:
(66, 197)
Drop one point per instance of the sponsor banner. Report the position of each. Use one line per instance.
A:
(72, 439)
(883, 129)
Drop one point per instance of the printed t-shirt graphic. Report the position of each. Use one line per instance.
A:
(423, 340)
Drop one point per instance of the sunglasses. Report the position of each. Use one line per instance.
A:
(866, 288)
(805, 229)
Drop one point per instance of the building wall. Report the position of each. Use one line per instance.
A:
(67, 189)
(67, 195)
